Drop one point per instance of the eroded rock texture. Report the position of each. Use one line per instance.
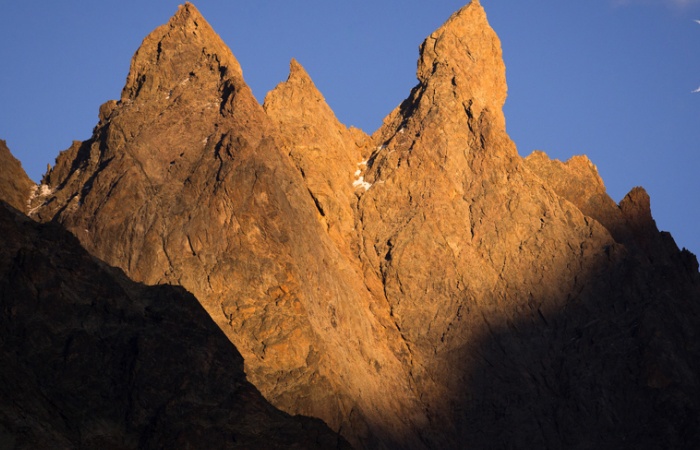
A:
(91, 359)
(425, 287)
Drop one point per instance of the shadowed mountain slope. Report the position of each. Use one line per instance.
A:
(92, 359)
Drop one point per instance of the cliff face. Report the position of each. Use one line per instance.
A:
(425, 287)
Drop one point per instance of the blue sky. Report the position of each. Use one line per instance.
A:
(611, 79)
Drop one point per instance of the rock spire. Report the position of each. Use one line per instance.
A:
(177, 53)
(463, 57)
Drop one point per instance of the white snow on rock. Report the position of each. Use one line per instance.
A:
(360, 182)
(40, 191)
(359, 178)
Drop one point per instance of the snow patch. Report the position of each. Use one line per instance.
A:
(32, 195)
(39, 191)
(360, 182)
(45, 190)
(359, 178)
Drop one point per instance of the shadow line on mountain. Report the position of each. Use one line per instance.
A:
(92, 359)
(616, 366)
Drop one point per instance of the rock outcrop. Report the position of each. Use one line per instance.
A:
(91, 359)
(425, 287)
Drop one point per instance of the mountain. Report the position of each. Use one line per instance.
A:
(423, 287)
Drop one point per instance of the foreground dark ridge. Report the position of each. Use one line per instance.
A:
(92, 359)
(424, 287)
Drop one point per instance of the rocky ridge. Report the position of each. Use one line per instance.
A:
(423, 287)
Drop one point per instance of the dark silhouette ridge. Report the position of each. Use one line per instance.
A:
(91, 359)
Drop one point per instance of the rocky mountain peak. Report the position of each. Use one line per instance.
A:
(324, 151)
(177, 53)
(456, 104)
(464, 56)
(183, 85)
(297, 70)
(295, 96)
(298, 104)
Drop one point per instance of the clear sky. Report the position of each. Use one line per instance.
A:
(611, 79)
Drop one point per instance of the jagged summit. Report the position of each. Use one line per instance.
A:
(298, 88)
(466, 52)
(176, 53)
(296, 69)
(182, 69)
(297, 102)
(264, 204)
(462, 86)
(324, 151)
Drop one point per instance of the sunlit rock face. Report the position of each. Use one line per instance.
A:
(423, 287)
